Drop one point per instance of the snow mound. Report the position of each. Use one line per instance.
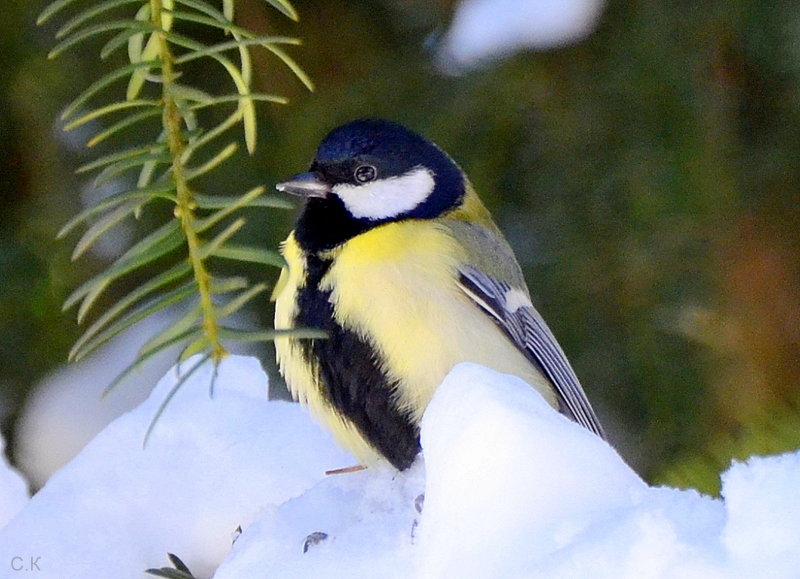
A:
(210, 465)
(67, 408)
(508, 488)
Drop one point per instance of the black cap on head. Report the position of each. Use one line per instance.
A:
(408, 177)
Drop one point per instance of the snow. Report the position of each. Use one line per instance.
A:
(511, 489)
(369, 519)
(67, 408)
(757, 495)
(486, 29)
(472, 454)
(13, 489)
(210, 465)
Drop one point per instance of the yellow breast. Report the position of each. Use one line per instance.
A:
(396, 285)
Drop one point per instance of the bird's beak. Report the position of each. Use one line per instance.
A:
(305, 185)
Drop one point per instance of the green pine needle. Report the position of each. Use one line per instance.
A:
(153, 93)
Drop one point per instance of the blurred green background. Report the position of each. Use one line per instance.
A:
(648, 178)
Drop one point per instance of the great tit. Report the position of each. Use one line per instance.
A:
(395, 257)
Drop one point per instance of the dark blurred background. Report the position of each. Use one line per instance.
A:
(647, 177)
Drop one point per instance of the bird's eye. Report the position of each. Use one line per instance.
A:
(365, 173)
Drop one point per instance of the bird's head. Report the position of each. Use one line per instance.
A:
(369, 172)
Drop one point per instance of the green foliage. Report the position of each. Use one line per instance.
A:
(168, 168)
(774, 430)
(165, 40)
(179, 570)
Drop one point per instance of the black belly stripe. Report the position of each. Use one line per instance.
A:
(350, 376)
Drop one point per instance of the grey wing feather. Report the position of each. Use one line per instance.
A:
(528, 330)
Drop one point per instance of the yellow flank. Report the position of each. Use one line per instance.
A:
(396, 285)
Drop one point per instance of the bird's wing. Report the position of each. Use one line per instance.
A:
(512, 311)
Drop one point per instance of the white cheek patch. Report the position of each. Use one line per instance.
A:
(516, 299)
(387, 197)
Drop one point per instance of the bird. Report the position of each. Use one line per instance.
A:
(396, 259)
